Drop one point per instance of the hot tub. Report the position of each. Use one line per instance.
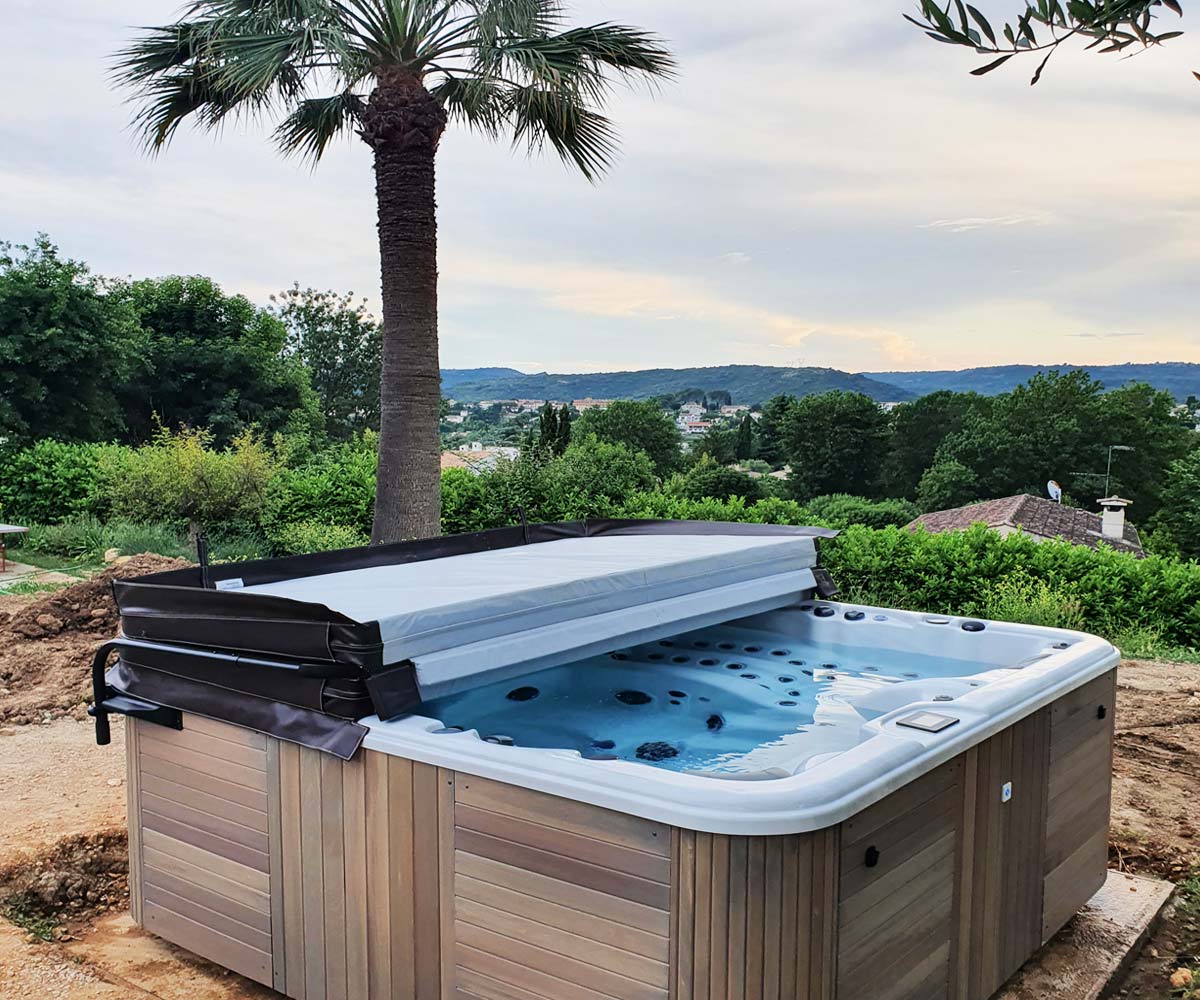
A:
(602, 760)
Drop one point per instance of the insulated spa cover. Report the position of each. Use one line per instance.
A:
(303, 647)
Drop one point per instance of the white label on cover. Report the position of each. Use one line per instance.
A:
(234, 583)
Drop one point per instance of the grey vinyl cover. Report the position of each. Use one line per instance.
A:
(464, 600)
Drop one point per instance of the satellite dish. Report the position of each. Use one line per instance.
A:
(1054, 491)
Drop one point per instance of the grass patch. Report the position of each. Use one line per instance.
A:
(25, 587)
(23, 911)
(1148, 644)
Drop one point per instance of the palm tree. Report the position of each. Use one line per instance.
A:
(394, 72)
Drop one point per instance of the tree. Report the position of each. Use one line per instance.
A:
(563, 439)
(708, 479)
(718, 444)
(638, 424)
(338, 341)
(214, 361)
(947, 484)
(64, 347)
(1044, 25)
(1144, 419)
(745, 438)
(835, 443)
(397, 72)
(1180, 511)
(771, 430)
(918, 429)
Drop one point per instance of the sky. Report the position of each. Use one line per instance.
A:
(821, 185)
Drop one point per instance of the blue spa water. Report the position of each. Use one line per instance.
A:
(709, 700)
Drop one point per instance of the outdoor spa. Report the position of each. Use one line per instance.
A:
(641, 760)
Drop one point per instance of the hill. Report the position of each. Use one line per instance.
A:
(748, 384)
(1179, 378)
(456, 376)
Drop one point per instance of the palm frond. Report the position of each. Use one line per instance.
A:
(315, 123)
(474, 101)
(578, 134)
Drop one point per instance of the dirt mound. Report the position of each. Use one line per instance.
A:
(46, 646)
(83, 877)
(1156, 759)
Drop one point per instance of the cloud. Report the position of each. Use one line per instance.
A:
(970, 223)
(848, 201)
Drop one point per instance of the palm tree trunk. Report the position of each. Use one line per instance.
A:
(403, 123)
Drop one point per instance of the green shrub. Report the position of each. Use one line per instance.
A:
(180, 480)
(338, 487)
(238, 548)
(310, 536)
(840, 510)
(50, 481)
(464, 502)
(952, 572)
(1030, 602)
(707, 479)
(130, 539)
(77, 539)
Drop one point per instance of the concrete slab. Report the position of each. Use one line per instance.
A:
(1084, 959)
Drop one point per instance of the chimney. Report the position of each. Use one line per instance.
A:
(1112, 516)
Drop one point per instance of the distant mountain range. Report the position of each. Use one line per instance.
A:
(757, 383)
(1179, 378)
(745, 383)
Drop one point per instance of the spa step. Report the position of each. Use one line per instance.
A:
(1089, 955)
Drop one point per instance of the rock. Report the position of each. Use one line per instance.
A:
(111, 555)
(49, 622)
(99, 612)
(8, 731)
(115, 782)
(1181, 978)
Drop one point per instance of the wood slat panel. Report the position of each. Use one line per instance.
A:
(551, 964)
(225, 751)
(565, 814)
(755, 917)
(575, 897)
(219, 826)
(209, 943)
(187, 906)
(1002, 916)
(564, 940)
(589, 924)
(253, 797)
(895, 913)
(189, 834)
(655, 867)
(258, 917)
(291, 874)
(225, 731)
(133, 814)
(354, 851)
(570, 894)
(1079, 800)
(204, 860)
(199, 874)
(379, 876)
(524, 977)
(235, 812)
(400, 878)
(566, 869)
(275, 842)
(237, 774)
(333, 868)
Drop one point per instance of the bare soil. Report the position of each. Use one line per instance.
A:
(46, 644)
(62, 826)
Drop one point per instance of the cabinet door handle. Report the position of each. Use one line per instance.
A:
(1101, 712)
(871, 859)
